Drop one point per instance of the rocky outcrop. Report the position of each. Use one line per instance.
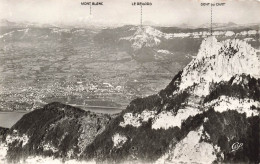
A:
(209, 113)
(194, 119)
(219, 61)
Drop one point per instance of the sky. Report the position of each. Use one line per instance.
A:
(116, 12)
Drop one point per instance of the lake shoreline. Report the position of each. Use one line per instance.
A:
(9, 118)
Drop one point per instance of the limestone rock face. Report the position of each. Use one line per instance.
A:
(219, 61)
(210, 106)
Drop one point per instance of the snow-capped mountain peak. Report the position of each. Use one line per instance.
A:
(151, 31)
(219, 61)
(144, 37)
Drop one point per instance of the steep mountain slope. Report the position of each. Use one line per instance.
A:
(146, 43)
(56, 130)
(219, 61)
(3, 132)
(210, 112)
(144, 37)
(180, 125)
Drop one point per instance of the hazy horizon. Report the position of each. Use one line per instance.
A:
(121, 12)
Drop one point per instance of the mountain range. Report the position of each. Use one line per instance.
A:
(82, 24)
(208, 113)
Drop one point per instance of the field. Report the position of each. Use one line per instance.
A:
(90, 67)
(43, 65)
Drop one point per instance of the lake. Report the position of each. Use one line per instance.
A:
(8, 119)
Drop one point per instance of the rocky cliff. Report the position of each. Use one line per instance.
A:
(208, 113)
